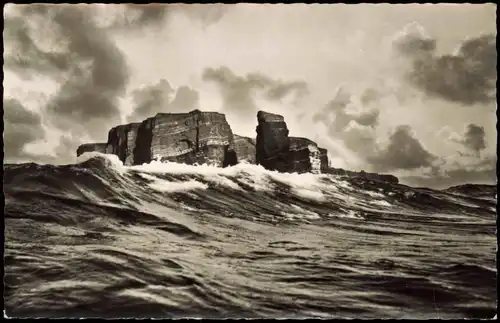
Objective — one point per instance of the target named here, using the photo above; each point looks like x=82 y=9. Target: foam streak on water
x=170 y=240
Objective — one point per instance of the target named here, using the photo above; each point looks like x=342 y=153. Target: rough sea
x=98 y=239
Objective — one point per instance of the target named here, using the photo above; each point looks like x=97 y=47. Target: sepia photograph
x=250 y=161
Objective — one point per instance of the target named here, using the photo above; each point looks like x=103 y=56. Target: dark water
x=98 y=240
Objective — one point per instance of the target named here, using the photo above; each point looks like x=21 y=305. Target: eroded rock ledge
x=206 y=138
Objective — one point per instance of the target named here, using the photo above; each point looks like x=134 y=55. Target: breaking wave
x=98 y=239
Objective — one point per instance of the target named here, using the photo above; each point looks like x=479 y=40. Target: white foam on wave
x=301 y=213
x=310 y=194
x=350 y=214
x=177 y=186
x=249 y=174
x=306 y=185
x=302 y=216
x=111 y=160
x=372 y=194
x=381 y=203
x=162 y=185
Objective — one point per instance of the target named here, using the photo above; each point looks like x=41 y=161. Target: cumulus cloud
x=467 y=76
x=150 y=99
x=207 y=14
x=370 y=95
x=140 y=15
x=186 y=99
x=474 y=138
x=339 y=112
x=21 y=127
x=280 y=89
x=404 y=151
x=130 y=17
x=98 y=77
x=91 y=69
x=29 y=58
x=354 y=118
x=76 y=50
x=348 y=118
x=157 y=98
x=239 y=92
x=360 y=139
x=413 y=41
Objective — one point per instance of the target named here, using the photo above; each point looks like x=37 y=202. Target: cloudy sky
x=402 y=89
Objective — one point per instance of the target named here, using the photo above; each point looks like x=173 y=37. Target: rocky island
x=200 y=137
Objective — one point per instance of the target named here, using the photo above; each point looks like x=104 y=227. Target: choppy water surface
x=97 y=239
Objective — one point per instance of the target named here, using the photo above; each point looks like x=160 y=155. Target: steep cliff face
x=206 y=137
x=324 y=159
x=244 y=148
x=194 y=137
x=276 y=151
x=272 y=144
x=122 y=142
x=99 y=147
x=304 y=156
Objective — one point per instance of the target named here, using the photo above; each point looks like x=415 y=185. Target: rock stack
x=273 y=145
x=122 y=141
x=191 y=138
x=206 y=138
x=304 y=156
x=194 y=137
x=276 y=151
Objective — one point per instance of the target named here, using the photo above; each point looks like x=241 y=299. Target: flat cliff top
x=263 y=116
x=301 y=140
x=190 y=113
x=92 y=144
x=127 y=126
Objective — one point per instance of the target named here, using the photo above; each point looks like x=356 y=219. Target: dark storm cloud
x=404 y=152
x=238 y=92
x=280 y=90
x=474 y=138
x=138 y=16
x=235 y=90
x=467 y=77
x=370 y=95
x=336 y=117
x=356 y=130
x=28 y=57
x=150 y=100
x=147 y=14
x=186 y=99
x=67 y=44
x=21 y=127
x=157 y=98
x=207 y=14
x=99 y=74
x=414 y=44
x=92 y=70
x=369 y=118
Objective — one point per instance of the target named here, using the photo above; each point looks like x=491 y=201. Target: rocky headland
x=200 y=137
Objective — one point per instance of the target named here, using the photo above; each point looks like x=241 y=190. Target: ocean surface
x=97 y=239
